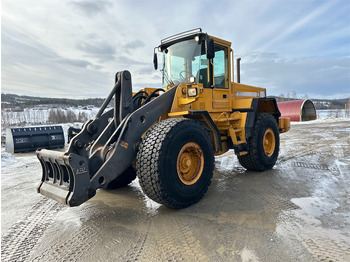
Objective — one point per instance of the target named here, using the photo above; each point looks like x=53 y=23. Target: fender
x=260 y=105
x=203 y=117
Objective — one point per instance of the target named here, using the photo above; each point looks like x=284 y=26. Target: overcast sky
x=72 y=48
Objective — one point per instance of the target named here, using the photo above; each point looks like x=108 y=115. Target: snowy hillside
x=41 y=115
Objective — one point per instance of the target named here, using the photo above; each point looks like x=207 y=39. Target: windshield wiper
x=168 y=79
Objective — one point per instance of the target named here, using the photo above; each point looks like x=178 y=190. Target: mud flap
x=65 y=177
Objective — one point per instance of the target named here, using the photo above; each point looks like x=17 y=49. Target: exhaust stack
x=238 y=70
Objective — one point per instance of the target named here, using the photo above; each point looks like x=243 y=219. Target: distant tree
x=5 y=118
x=338 y=113
x=282 y=97
x=52 y=116
x=16 y=100
x=57 y=116
x=71 y=117
x=61 y=117
x=82 y=117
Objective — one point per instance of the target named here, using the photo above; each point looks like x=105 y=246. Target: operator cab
x=193 y=57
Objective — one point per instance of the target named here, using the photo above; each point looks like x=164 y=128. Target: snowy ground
x=40 y=115
x=333 y=113
x=298 y=211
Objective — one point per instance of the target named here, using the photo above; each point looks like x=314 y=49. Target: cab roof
x=190 y=34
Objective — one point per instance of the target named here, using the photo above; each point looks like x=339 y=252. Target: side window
x=220 y=67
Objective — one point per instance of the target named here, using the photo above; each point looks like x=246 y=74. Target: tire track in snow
x=23 y=236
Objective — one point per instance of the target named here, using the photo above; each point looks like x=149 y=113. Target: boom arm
x=103 y=150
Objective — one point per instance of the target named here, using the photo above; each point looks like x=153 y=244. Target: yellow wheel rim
x=190 y=163
x=269 y=142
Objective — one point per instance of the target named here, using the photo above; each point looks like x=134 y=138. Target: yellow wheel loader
x=168 y=136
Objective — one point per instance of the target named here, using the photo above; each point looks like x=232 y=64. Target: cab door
x=220 y=95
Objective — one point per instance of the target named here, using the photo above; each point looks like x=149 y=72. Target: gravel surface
x=298 y=211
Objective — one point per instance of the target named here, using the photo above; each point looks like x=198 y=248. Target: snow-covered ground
x=333 y=113
x=40 y=115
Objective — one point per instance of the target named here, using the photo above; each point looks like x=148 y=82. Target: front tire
x=175 y=162
x=263 y=145
x=124 y=179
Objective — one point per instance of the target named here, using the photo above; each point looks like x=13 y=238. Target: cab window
x=202 y=74
x=220 y=66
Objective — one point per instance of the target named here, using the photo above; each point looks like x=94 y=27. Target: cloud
x=134 y=44
x=34 y=69
x=77 y=63
x=299 y=23
x=322 y=76
x=91 y=7
x=100 y=49
x=284 y=45
x=146 y=70
x=128 y=61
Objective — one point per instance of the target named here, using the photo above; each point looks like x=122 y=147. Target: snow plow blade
x=65 y=177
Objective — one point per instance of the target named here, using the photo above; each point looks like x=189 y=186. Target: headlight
x=192 y=92
x=192 y=79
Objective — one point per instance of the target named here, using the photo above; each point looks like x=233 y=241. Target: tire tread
x=148 y=158
x=252 y=160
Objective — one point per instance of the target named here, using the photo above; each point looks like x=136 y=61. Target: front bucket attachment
x=65 y=177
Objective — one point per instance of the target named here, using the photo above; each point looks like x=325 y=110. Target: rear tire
x=175 y=162
x=263 y=145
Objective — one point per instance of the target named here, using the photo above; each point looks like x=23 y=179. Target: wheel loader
x=168 y=136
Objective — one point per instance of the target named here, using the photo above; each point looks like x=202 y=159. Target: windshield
x=183 y=60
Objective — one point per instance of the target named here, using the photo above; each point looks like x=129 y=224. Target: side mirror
x=209 y=48
x=155 y=61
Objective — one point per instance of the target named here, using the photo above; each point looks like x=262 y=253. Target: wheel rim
x=190 y=163
x=269 y=142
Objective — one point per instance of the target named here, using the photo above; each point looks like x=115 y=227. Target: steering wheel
x=183 y=78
